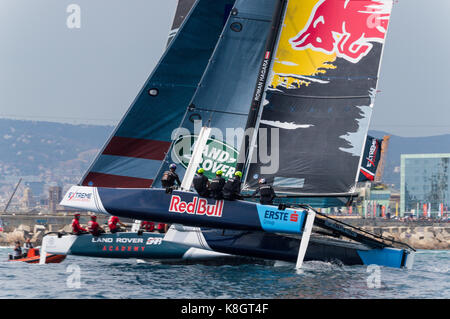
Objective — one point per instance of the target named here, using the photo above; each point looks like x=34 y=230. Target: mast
x=261 y=82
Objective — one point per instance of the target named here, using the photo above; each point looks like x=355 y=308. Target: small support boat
x=33 y=257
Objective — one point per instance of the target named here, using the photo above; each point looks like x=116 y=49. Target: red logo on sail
x=198 y=206
x=345 y=27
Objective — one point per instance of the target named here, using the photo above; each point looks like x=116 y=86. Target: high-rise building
x=28 y=199
x=425 y=184
x=55 y=196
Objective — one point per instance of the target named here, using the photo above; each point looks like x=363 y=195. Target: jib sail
x=319 y=100
x=134 y=152
x=223 y=98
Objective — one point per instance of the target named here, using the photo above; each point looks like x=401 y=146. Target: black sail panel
x=320 y=97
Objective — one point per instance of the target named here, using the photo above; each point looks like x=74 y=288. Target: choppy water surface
x=113 y=278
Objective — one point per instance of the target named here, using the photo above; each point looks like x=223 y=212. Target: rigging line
x=252 y=19
x=322 y=97
x=311 y=195
x=215 y=111
x=57 y=117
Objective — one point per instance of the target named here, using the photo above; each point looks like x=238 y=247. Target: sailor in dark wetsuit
x=17 y=252
x=232 y=188
x=217 y=185
x=27 y=246
x=265 y=191
x=201 y=183
x=170 y=177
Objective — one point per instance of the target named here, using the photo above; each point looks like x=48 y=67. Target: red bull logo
x=198 y=206
x=347 y=28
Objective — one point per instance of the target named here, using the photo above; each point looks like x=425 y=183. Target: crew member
x=17 y=251
x=232 y=188
x=265 y=191
x=217 y=184
x=94 y=228
x=27 y=245
x=147 y=226
x=113 y=227
x=201 y=183
x=76 y=227
x=170 y=177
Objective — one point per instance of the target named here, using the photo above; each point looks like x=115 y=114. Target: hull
x=252 y=229
x=126 y=245
x=185 y=208
x=284 y=248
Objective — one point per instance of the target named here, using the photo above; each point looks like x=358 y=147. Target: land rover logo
x=216 y=156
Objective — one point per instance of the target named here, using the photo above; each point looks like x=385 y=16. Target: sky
x=92 y=74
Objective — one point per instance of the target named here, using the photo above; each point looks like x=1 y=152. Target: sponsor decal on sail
x=372 y=153
x=198 y=206
x=216 y=155
x=325 y=30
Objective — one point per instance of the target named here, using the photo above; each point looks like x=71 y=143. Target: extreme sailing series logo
x=79 y=196
x=372 y=154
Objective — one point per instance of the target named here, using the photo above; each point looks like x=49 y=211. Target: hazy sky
x=92 y=74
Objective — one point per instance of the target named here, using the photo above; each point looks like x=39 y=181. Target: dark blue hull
x=320 y=248
x=127 y=245
x=147 y=246
x=188 y=208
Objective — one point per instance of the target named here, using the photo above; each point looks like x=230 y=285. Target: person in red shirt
x=94 y=228
x=147 y=226
x=76 y=227
x=162 y=228
x=112 y=224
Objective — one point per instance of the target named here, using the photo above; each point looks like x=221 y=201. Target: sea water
x=85 y=277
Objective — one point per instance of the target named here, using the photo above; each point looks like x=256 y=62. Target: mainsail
x=320 y=96
x=134 y=152
x=223 y=98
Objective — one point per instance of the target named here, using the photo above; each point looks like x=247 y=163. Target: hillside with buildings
x=46 y=154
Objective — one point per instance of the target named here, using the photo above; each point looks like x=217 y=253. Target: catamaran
x=280 y=89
